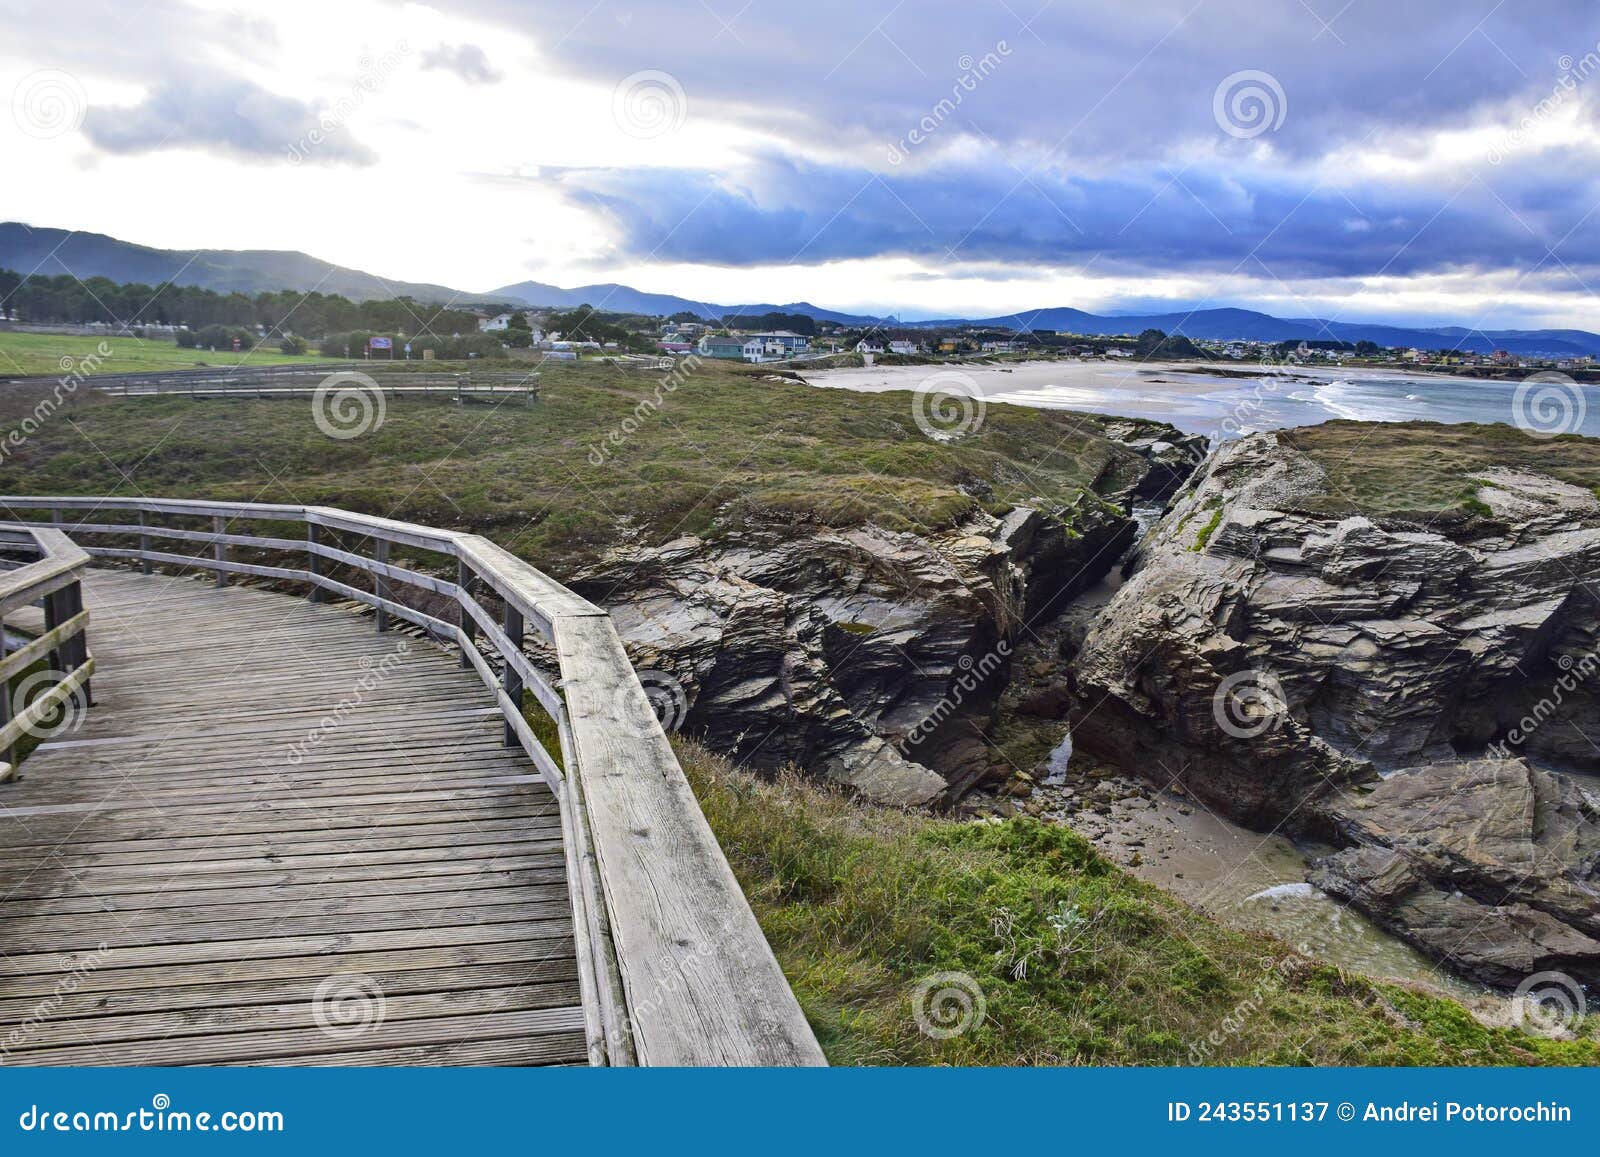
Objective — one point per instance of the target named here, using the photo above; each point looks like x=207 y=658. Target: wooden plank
x=702 y=985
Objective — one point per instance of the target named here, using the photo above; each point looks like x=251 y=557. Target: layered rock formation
x=854 y=652
x=1422 y=698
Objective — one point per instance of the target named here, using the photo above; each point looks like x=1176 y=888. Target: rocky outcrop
x=1280 y=663
x=1490 y=864
x=857 y=653
x=848 y=652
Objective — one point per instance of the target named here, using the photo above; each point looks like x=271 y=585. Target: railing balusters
x=380 y=582
x=219 y=526
x=314 y=562
x=469 y=629
x=512 y=678
x=144 y=546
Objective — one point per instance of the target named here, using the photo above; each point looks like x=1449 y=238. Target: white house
x=904 y=347
x=1118 y=352
x=868 y=347
x=755 y=349
x=493 y=324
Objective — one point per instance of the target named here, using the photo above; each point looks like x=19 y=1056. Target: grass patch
x=605 y=448
x=1417 y=470
x=1203 y=536
x=41 y=353
x=1078 y=962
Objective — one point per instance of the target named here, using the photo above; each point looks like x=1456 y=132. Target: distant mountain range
x=622 y=299
x=1248 y=325
x=54 y=252
x=57 y=251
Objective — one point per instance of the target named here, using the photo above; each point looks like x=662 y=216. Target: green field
x=605 y=454
x=42 y=353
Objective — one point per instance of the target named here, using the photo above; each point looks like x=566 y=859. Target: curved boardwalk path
x=186 y=878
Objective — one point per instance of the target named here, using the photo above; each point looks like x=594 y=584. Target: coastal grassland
x=1419 y=469
x=1078 y=962
x=606 y=454
x=42 y=353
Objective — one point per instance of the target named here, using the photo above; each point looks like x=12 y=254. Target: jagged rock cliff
x=1421 y=698
x=853 y=652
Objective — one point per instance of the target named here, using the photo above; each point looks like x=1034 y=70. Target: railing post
x=144 y=547
x=9 y=755
x=59 y=607
x=511 y=679
x=314 y=561
x=380 y=584
x=219 y=549
x=469 y=628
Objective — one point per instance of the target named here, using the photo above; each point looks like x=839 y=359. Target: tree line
x=99 y=299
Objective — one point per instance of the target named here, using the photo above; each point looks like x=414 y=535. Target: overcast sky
x=1412 y=161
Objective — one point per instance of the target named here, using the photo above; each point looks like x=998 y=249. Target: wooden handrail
x=53 y=582
x=673 y=966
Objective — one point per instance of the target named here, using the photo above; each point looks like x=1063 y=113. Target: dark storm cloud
x=1163 y=219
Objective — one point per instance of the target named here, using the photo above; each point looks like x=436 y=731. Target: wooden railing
x=674 y=968
x=53 y=581
x=305 y=381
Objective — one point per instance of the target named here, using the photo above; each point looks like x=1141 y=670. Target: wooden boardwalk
x=280 y=837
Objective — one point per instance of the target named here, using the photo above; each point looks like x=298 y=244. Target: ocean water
x=1229 y=407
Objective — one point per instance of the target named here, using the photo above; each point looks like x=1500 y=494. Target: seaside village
x=799 y=337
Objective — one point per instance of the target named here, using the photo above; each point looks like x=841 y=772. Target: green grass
x=1420 y=469
x=605 y=454
x=1204 y=535
x=42 y=353
x=1077 y=962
